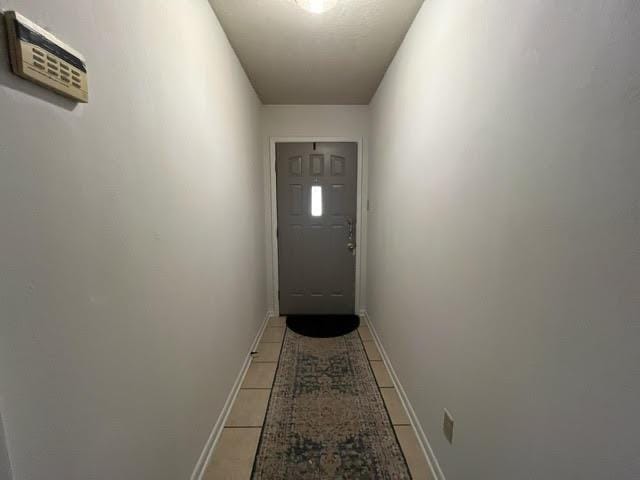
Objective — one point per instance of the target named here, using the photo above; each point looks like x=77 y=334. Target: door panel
x=316 y=266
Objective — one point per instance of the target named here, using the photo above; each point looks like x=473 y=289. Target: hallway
x=353 y=456
x=179 y=180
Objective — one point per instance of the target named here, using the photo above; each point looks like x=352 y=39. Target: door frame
x=360 y=208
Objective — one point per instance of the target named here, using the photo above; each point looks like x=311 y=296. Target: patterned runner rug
x=326 y=418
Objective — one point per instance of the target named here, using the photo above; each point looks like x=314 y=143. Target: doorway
x=317 y=227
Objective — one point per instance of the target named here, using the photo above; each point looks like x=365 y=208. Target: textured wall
x=131 y=253
x=504 y=246
x=5 y=463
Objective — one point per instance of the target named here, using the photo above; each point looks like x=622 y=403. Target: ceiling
x=296 y=57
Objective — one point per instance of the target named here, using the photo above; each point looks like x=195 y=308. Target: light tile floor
x=412 y=452
x=235 y=451
x=260 y=375
x=372 y=350
x=267 y=352
x=234 y=454
x=394 y=406
x=382 y=375
x=249 y=408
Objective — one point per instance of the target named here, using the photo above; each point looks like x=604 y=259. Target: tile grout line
x=395 y=434
x=423 y=441
x=259 y=388
x=237 y=427
x=386 y=388
x=203 y=461
x=266 y=413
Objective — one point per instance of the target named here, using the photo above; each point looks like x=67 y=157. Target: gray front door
x=317 y=198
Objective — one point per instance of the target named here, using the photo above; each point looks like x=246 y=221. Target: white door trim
x=361 y=205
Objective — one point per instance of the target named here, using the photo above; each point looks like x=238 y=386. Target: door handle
x=351 y=246
x=350 y=227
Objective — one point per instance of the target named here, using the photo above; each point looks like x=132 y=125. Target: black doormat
x=323 y=326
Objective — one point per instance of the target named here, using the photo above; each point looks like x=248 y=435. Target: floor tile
x=381 y=374
x=273 y=334
x=259 y=375
x=234 y=454
x=394 y=406
x=277 y=322
x=372 y=350
x=416 y=460
x=267 y=352
x=365 y=334
x=249 y=408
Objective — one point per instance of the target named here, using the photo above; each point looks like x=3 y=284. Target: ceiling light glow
x=317 y=6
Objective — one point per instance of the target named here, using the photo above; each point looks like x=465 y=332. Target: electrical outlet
x=447 y=426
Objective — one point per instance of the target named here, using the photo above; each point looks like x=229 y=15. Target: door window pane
x=316 y=201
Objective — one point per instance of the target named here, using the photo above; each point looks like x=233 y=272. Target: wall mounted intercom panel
x=40 y=57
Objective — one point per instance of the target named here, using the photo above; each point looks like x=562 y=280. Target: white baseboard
x=436 y=471
x=205 y=456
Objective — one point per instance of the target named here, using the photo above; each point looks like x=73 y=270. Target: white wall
x=504 y=233
x=346 y=121
x=5 y=465
x=131 y=254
